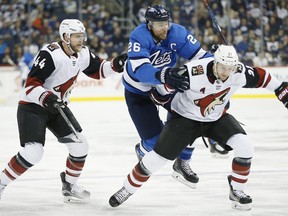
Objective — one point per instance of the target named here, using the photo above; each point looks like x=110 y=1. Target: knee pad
x=153 y=162
x=242 y=146
x=76 y=148
x=32 y=152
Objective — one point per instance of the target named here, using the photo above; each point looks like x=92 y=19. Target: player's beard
x=162 y=36
x=76 y=48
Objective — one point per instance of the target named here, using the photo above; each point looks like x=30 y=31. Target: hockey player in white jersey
x=48 y=85
x=200 y=111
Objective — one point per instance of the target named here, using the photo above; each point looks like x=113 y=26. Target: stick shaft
x=70 y=125
x=215 y=22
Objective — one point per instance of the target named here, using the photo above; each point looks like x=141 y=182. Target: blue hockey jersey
x=147 y=56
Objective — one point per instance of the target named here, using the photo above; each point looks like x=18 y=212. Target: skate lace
x=122 y=195
x=186 y=167
x=239 y=193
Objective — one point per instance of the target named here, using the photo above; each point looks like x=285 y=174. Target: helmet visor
x=80 y=36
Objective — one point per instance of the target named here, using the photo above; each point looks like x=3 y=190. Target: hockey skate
x=119 y=197
x=184 y=174
x=240 y=200
x=72 y=192
x=216 y=150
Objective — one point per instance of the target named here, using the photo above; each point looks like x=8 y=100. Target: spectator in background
x=243 y=45
x=272 y=44
x=26 y=62
x=16 y=18
x=70 y=7
x=222 y=19
x=234 y=20
x=281 y=9
x=3 y=46
x=244 y=25
x=260 y=60
x=6 y=57
x=118 y=38
x=237 y=36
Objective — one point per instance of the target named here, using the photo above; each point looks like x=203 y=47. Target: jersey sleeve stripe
x=137 y=63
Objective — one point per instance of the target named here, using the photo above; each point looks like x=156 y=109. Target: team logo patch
x=208 y=103
x=197 y=70
x=66 y=88
x=159 y=60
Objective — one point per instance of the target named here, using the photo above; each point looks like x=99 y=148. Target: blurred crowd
x=26 y=25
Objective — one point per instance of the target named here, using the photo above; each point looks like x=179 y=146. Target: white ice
x=112 y=138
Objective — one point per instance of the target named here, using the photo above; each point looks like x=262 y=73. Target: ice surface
x=112 y=138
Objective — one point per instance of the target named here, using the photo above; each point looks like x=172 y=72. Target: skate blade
x=221 y=156
x=179 y=178
x=242 y=207
x=71 y=199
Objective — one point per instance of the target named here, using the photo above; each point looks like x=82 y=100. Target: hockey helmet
x=226 y=55
x=157 y=13
x=71 y=26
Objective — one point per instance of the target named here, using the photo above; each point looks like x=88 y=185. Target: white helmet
x=71 y=26
x=226 y=55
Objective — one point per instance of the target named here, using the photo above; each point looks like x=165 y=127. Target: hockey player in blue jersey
x=152 y=52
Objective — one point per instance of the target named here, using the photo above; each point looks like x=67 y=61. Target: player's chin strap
x=69 y=47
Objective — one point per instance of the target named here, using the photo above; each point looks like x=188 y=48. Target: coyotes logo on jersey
x=66 y=88
x=207 y=104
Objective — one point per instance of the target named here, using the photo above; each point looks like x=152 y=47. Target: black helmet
x=157 y=13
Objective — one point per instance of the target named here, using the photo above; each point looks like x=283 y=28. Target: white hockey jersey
x=53 y=70
x=207 y=97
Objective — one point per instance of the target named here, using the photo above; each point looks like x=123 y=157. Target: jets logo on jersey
x=66 y=88
x=208 y=103
x=160 y=60
x=197 y=70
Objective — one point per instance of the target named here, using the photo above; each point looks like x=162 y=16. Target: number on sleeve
x=41 y=63
x=134 y=46
x=191 y=39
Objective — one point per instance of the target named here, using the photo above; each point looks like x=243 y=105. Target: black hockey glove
x=175 y=78
x=50 y=101
x=213 y=48
x=282 y=93
x=117 y=63
x=157 y=98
